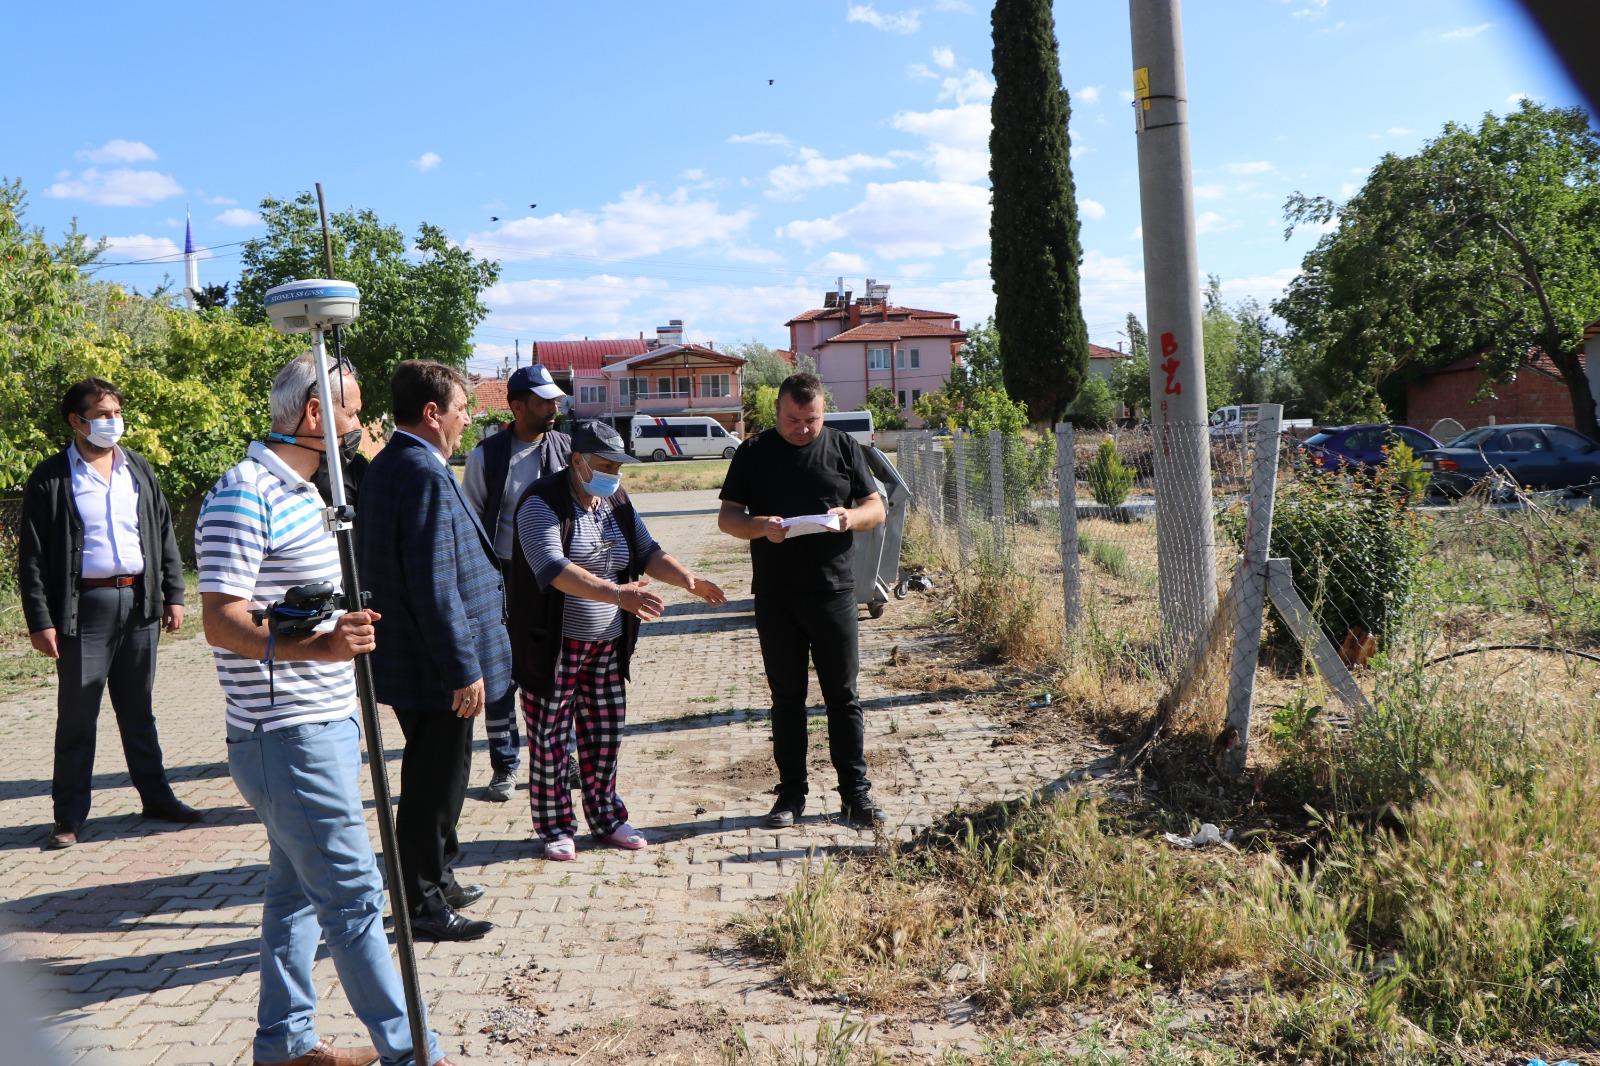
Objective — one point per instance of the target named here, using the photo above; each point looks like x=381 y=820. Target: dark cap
x=535 y=379
x=593 y=437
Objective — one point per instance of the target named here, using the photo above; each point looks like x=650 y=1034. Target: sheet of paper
x=801 y=525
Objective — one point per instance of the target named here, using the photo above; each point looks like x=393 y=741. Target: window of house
x=916 y=394
x=916 y=359
x=683 y=386
x=629 y=390
x=591 y=394
x=902 y=396
x=714 y=385
x=877 y=359
x=663 y=386
x=900 y=358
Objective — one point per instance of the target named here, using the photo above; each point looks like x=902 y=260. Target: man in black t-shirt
x=804 y=586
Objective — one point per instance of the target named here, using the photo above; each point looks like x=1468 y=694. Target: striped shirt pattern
x=260 y=534
x=597 y=545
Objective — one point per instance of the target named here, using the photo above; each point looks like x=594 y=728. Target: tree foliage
x=1485 y=243
x=762 y=365
x=1093 y=407
x=1130 y=378
x=886 y=413
x=1033 y=232
x=420 y=301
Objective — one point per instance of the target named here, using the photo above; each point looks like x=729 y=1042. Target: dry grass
x=678 y=475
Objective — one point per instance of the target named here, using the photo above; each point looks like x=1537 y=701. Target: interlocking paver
x=145 y=935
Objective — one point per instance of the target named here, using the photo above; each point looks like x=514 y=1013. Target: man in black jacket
x=499 y=469
x=98 y=568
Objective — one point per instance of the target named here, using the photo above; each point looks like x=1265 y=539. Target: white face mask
x=105 y=432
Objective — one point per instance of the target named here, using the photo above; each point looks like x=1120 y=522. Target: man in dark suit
x=442 y=653
x=99 y=572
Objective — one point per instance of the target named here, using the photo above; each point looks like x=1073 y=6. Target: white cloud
x=1262 y=287
x=1462 y=33
x=427 y=161
x=640 y=222
x=239 y=216
x=744 y=253
x=117 y=188
x=1079 y=150
x=1313 y=9
x=908 y=271
x=976 y=268
x=957 y=140
x=118 y=151
x=847 y=263
x=693 y=174
x=221 y=201
x=973 y=87
x=899 y=22
x=905 y=220
x=772 y=140
x=144 y=246
x=1092 y=209
x=1212 y=222
x=1258 y=166
x=960 y=6
x=813 y=171
x=1210 y=192
x=557 y=305
x=1088 y=96
x=944 y=58
x=922 y=71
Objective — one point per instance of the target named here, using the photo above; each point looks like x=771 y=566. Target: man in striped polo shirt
x=293 y=741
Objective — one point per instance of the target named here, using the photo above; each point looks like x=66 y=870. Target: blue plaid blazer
x=433 y=576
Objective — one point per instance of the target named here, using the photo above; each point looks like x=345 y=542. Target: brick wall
x=1532 y=397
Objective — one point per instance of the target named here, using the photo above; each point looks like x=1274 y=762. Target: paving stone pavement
x=143 y=938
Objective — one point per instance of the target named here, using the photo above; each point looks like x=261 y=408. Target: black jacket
x=50 y=550
x=556 y=449
x=533 y=615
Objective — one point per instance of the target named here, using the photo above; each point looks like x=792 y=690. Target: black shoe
x=786 y=811
x=501 y=785
x=461 y=897
x=173 y=810
x=61 y=836
x=448 y=925
x=574 y=777
x=862 y=813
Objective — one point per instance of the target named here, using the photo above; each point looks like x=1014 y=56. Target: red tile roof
x=871 y=311
x=489 y=394
x=560 y=356
x=815 y=312
x=785 y=354
x=893 y=331
x=1097 y=351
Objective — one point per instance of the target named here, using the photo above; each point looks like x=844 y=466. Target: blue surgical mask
x=601 y=485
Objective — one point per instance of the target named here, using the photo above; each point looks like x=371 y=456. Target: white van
x=856 y=423
x=690 y=437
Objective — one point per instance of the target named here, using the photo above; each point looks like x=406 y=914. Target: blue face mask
x=601 y=485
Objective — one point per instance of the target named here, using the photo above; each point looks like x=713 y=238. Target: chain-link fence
x=10 y=530
x=995 y=502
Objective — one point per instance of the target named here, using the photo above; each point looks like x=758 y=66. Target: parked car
x=1239 y=420
x=1360 y=447
x=1533 y=455
x=686 y=437
x=856 y=423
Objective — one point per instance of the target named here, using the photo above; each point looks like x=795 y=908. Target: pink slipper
x=561 y=849
x=625 y=837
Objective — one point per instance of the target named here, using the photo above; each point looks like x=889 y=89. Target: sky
x=717 y=162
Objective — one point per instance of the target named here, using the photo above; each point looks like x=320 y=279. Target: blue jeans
x=303 y=782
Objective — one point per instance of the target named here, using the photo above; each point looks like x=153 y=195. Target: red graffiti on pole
x=1169 y=348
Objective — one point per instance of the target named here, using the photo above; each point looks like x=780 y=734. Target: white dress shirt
x=437 y=454
x=110 y=514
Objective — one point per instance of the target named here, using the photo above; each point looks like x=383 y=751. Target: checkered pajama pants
x=588 y=686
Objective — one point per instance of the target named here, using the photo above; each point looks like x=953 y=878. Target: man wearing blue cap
x=499 y=469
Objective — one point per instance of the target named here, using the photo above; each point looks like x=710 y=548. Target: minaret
x=191 y=265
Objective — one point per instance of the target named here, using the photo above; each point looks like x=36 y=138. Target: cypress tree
x=1033 y=229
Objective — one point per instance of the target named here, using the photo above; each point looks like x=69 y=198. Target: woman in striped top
x=576 y=595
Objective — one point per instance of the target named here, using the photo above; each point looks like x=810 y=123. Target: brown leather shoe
x=61 y=837
x=325 y=1054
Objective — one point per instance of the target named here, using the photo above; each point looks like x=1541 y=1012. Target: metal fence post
x=1252 y=591
x=964 y=534
x=997 y=489
x=1067 y=485
x=936 y=451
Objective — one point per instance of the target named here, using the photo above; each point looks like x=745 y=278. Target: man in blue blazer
x=442 y=653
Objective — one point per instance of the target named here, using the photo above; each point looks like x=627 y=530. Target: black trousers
x=433 y=784
x=112 y=650
x=797 y=630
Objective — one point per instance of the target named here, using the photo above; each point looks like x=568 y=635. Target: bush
x=1093 y=406
x=1109 y=480
x=886 y=413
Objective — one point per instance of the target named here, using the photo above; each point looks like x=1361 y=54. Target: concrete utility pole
x=1185 y=537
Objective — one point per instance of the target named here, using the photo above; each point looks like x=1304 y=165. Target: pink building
x=617 y=379
x=864 y=344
